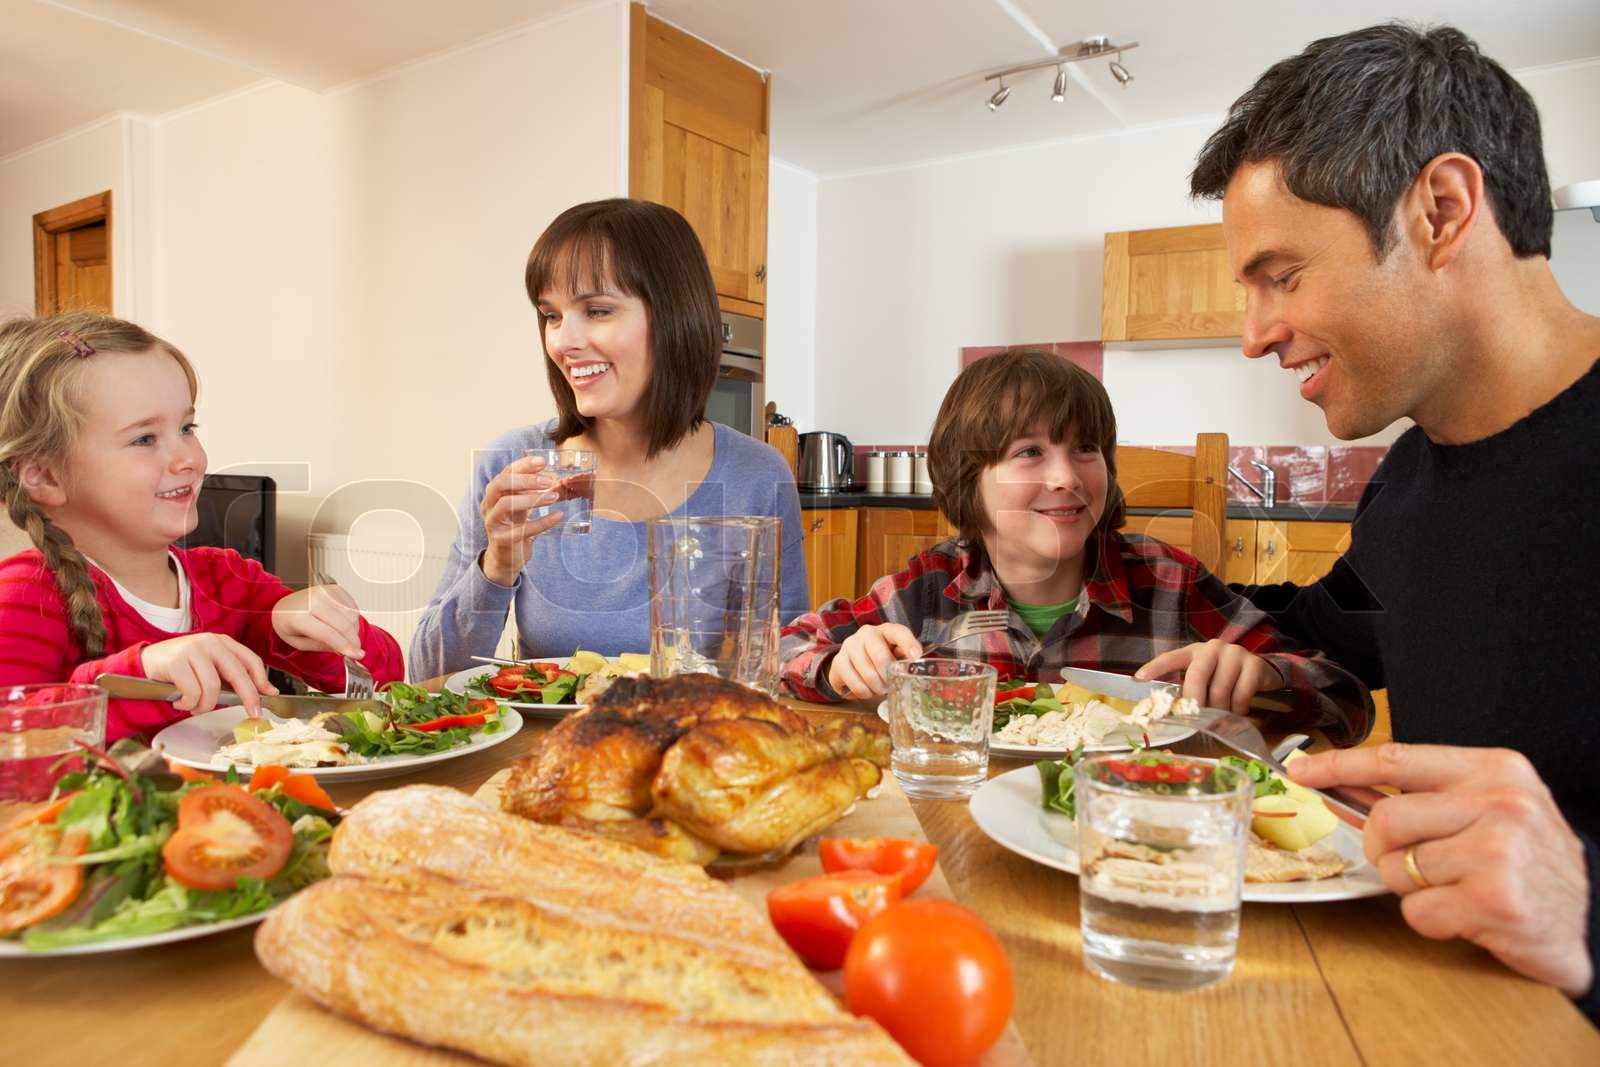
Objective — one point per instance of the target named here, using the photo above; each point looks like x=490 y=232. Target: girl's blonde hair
x=41 y=413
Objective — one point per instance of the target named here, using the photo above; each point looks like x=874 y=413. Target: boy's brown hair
x=648 y=251
x=998 y=399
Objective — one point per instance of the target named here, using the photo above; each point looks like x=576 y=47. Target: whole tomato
x=934 y=975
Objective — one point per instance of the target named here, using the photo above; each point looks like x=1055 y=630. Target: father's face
x=1348 y=327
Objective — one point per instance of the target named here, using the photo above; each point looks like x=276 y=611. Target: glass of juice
x=40 y=727
x=574 y=467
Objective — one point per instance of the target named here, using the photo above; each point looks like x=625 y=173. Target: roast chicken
x=690 y=766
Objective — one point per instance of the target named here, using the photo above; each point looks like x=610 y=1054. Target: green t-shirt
x=1040 y=617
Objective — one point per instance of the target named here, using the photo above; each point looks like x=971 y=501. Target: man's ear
x=1442 y=207
x=41 y=481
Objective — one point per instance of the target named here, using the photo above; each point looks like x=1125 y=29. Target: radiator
x=391 y=585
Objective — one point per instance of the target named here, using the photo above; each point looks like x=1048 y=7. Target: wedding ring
x=1414 y=871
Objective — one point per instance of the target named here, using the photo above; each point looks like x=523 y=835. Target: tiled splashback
x=1306 y=473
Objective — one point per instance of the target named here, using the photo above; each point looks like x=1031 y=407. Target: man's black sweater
x=1471 y=590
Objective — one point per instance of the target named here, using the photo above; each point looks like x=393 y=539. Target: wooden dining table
x=1344 y=983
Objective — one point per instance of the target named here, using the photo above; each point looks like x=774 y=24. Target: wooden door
x=891 y=536
x=1170 y=284
x=1298 y=552
x=1239 y=551
x=830 y=547
x=698 y=131
x=72 y=256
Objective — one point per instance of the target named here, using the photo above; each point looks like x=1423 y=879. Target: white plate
x=1161 y=735
x=193 y=741
x=457 y=683
x=10 y=949
x=1008 y=809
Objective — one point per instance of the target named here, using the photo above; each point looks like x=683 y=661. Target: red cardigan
x=228 y=595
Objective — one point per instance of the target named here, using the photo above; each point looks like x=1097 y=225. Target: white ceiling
x=856 y=83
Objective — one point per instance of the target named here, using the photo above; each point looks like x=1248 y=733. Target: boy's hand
x=201 y=665
x=322 y=618
x=861 y=666
x=1218 y=674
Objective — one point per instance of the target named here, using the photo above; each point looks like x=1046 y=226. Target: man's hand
x=1218 y=674
x=1503 y=869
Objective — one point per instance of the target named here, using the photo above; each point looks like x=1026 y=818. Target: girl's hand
x=320 y=618
x=507 y=500
x=201 y=665
x=1218 y=674
x=860 y=667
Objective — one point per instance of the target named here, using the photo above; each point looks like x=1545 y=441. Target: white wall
x=792 y=291
x=1005 y=248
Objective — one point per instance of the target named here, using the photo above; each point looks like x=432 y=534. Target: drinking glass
x=1161 y=849
x=940 y=715
x=39 y=728
x=575 y=489
x=714 y=589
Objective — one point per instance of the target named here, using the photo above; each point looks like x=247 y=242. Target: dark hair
x=648 y=251
x=998 y=399
x=1353 y=119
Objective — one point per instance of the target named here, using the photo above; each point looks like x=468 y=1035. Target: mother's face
x=600 y=341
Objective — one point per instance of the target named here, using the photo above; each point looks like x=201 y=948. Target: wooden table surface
x=1344 y=983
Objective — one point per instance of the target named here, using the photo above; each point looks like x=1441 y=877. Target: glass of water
x=1161 y=849
x=940 y=714
x=574 y=467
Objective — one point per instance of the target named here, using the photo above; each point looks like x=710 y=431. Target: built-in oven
x=738 y=398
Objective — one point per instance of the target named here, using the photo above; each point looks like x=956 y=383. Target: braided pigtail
x=71 y=569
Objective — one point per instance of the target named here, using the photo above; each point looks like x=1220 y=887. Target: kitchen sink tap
x=1268 y=489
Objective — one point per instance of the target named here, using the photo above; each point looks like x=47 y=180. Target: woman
x=632 y=336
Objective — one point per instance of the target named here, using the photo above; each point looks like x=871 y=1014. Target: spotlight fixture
x=1088 y=48
x=999 y=96
x=1119 y=72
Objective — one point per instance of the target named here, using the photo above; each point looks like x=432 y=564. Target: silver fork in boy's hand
x=970 y=625
x=357 y=679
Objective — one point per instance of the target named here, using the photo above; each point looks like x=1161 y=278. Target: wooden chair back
x=1151 y=478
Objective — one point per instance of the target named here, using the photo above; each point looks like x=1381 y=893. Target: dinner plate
x=193 y=741
x=457 y=683
x=1008 y=809
x=11 y=949
x=1161 y=735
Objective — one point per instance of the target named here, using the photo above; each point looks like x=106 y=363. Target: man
x=1386 y=207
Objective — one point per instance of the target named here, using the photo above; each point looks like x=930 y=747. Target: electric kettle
x=827 y=463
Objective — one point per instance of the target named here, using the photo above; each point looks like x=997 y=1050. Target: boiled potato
x=1307 y=821
x=586 y=662
x=246 y=731
x=1073 y=693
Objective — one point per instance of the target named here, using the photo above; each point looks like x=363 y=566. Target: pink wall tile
x=973 y=353
x=1350 y=468
x=1090 y=355
x=1302 y=471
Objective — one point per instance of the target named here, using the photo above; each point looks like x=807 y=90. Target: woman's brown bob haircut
x=648 y=251
x=1000 y=398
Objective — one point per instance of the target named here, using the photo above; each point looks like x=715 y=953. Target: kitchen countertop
x=1283 y=512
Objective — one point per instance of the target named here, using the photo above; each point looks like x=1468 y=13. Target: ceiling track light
x=1088 y=48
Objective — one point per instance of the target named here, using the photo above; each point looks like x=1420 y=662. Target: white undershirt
x=172 y=620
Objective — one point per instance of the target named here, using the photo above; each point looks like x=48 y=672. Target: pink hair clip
x=79 y=346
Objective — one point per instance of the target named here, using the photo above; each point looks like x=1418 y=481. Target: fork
x=1242 y=735
x=970 y=625
x=357 y=679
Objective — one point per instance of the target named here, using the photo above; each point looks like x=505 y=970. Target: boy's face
x=1041 y=501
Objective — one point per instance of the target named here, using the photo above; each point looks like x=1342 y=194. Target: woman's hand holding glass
x=861 y=666
x=508 y=498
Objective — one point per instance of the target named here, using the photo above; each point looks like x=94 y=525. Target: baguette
x=527 y=944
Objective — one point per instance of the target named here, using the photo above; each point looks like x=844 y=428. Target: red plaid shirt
x=1143 y=598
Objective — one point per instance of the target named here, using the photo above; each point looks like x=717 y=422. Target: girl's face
x=1041 y=501
x=600 y=341
x=133 y=476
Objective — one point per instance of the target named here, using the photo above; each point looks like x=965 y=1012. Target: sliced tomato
x=912 y=860
x=225 y=834
x=43 y=812
x=818 y=916
x=307 y=790
x=31 y=888
x=267 y=777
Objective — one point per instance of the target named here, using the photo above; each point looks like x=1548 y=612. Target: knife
x=128 y=687
x=1115 y=685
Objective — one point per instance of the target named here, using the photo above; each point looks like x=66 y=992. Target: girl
x=101 y=468
x=632 y=341
x=1022 y=459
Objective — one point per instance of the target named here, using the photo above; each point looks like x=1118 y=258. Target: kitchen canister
x=897 y=472
x=919 y=474
x=877 y=471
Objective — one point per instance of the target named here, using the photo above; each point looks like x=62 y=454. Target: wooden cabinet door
x=698 y=132
x=1239 y=551
x=891 y=536
x=1298 y=552
x=830 y=547
x=1171 y=284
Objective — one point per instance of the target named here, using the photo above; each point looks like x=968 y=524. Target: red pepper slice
x=445 y=722
x=1022 y=691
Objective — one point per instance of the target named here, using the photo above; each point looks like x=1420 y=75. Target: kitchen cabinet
x=698 y=128
x=1259 y=551
x=891 y=536
x=830 y=549
x=1174 y=284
